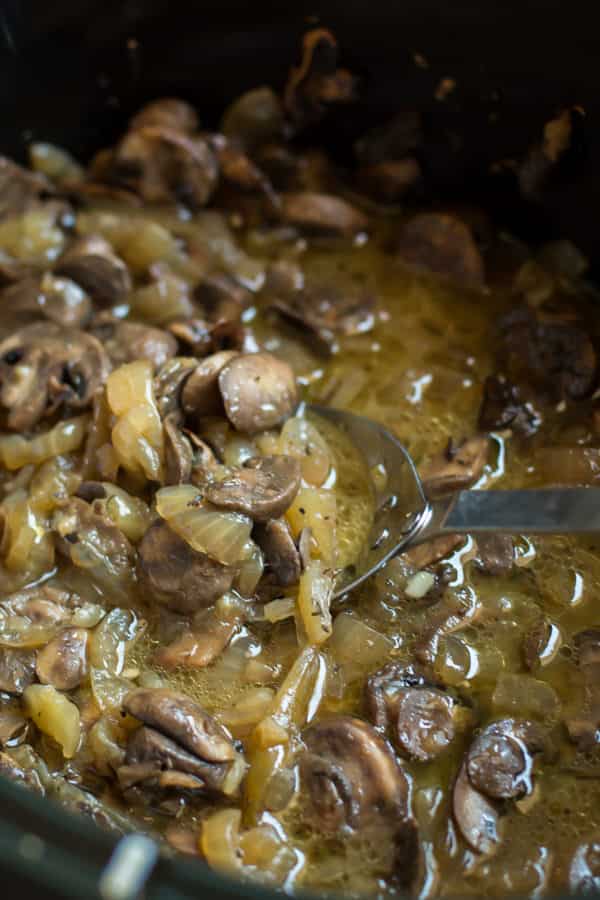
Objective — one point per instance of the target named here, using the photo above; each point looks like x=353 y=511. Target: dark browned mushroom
x=322 y=214
x=258 y=391
x=177 y=575
x=44 y=367
x=499 y=763
x=350 y=775
x=503 y=407
x=93 y=264
x=167 y=112
x=541 y=644
x=282 y=557
x=263 y=488
x=200 y=395
x=17 y=670
x=443 y=244
x=316 y=82
x=63 y=662
x=169 y=381
x=393 y=140
x=552 y=353
x=179 y=455
x=220 y=296
x=429 y=552
x=421 y=719
x=13 y=725
x=179 y=746
x=325 y=311
x=163 y=164
x=495 y=554
x=351 y=782
x=20 y=189
x=457 y=467
x=389 y=181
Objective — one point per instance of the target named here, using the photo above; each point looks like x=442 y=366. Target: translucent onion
x=248 y=711
x=33 y=237
x=129 y=513
x=55 y=715
x=220 y=840
x=165 y=299
x=278 y=610
x=54 y=162
x=222 y=535
x=355 y=646
x=300 y=438
x=314 y=600
x=54 y=481
x=238 y=449
x=523 y=695
x=17 y=451
x=315 y=508
x=129 y=386
x=103 y=743
x=147 y=243
x=111 y=639
x=137 y=436
x=250 y=571
x=109 y=690
x=29 y=547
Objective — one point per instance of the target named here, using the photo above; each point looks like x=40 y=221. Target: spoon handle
x=545 y=511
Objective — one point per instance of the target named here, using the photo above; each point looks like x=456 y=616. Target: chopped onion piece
x=300 y=438
x=17 y=451
x=55 y=715
x=314 y=600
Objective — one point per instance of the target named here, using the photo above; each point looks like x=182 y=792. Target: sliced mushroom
x=421 y=718
x=176 y=574
x=13 y=725
x=499 y=763
x=263 y=488
x=495 y=554
x=584 y=867
x=167 y=112
x=350 y=775
x=198 y=647
x=58 y=299
x=425 y=554
x=503 y=407
x=322 y=214
x=325 y=312
x=17 y=670
x=164 y=165
x=184 y=721
x=20 y=189
x=93 y=264
x=92 y=541
x=222 y=297
x=477 y=818
x=179 y=455
x=316 y=82
x=200 y=395
x=443 y=244
x=541 y=644
x=282 y=556
x=44 y=367
x=152 y=755
x=258 y=391
x=127 y=341
x=457 y=467
x=63 y=662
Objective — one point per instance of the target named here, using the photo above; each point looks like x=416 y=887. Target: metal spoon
x=405 y=517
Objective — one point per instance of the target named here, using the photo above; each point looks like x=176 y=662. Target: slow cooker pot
x=72 y=73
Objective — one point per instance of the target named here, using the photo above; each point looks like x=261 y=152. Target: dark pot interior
x=73 y=71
